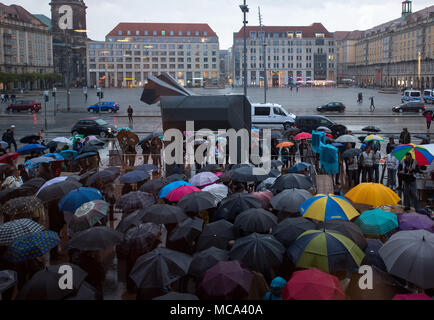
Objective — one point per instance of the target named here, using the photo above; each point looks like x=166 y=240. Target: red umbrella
x=176 y=194
x=264 y=197
x=8 y=156
x=303 y=136
x=414 y=296
x=329 y=135
x=313 y=284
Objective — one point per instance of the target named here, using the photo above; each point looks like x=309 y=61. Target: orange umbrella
x=285 y=145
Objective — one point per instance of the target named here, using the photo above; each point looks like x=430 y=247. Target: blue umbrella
x=299 y=167
x=171 y=186
x=68 y=154
x=134 y=176
x=36 y=161
x=85 y=155
x=28 y=149
x=73 y=200
x=56 y=156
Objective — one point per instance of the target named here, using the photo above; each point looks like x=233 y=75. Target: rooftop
x=19 y=14
x=308 y=31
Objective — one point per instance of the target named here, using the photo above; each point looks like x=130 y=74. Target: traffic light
x=102 y=95
x=53 y=94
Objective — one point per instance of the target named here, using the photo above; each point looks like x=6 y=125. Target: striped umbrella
x=419 y=153
x=325 y=250
x=377 y=222
x=17 y=228
x=327 y=208
x=373 y=137
x=31 y=246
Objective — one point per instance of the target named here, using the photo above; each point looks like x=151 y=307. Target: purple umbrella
x=227 y=280
x=415 y=221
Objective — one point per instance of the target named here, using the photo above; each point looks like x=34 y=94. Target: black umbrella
x=276 y=135
x=105 y=176
x=210 y=168
x=94 y=239
x=259 y=252
x=216 y=234
x=97 y=143
x=30 y=139
x=248 y=174
x=289 y=229
x=351 y=153
x=132 y=220
x=52 y=144
x=151 y=136
x=44 y=285
x=348 y=229
x=86 y=292
x=371 y=129
x=197 y=201
x=372 y=255
x=265 y=185
x=86 y=155
x=289 y=200
x=233 y=205
x=153 y=185
x=176 y=177
x=140 y=240
x=239 y=165
x=187 y=231
x=89 y=149
x=163 y=214
x=135 y=200
x=175 y=296
x=35 y=183
x=276 y=163
x=134 y=176
x=146 y=167
x=291 y=181
x=255 y=221
x=116 y=170
x=362 y=138
x=206 y=259
x=8 y=279
x=58 y=190
x=159 y=268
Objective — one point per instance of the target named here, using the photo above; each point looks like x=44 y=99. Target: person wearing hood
x=275 y=292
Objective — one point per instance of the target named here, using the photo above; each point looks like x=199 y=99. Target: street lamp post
x=245 y=9
x=264 y=58
x=54 y=96
x=46 y=93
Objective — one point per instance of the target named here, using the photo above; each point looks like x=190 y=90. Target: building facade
x=25 y=47
x=69 y=45
x=131 y=51
x=398 y=54
x=294 y=55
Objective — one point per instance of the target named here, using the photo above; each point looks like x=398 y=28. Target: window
x=154 y=33
x=205 y=33
x=120 y=32
x=128 y=32
x=179 y=33
x=262 y=111
x=197 y=33
x=172 y=33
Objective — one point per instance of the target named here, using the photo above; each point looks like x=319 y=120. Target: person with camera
x=408 y=169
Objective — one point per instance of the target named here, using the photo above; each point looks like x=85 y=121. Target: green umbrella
x=377 y=222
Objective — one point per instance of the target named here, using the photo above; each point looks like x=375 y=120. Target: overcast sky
x=225 y=17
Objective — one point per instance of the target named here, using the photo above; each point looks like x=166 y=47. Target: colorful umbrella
x=303 y=136
x=14 y=229
x=9 y=157
x=326 y=250
x=164 y=192
x=28 y=149
x=31 y=246
x=88 y=215
x=415 y=221
x=373 y=137
x=56 y=156
x=73 y=200
x=419 y=153
x=377 y=222
x=373 y=194
x=313 y=284
x=176 y=194
x=285 y=145
x=326 y=208
x=26 y=207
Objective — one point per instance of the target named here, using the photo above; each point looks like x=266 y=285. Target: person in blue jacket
x=275 y=292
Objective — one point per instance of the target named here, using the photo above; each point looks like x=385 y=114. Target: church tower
x=68 y=18
x=406 y=8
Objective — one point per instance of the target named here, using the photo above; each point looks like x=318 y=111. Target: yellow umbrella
x=373 y=194
x=327 y=208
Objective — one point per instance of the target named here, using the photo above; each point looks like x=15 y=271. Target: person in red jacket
x=428 y=117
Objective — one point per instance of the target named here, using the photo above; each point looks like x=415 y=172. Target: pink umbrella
x=303 y=136
x=414 y=296
x=176 y=194
x=218 y=174
x=264 y=197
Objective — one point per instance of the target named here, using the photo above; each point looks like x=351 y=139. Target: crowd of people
x=131 y=204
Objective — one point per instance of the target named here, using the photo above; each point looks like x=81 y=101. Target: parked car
x=411 y=95
x=93 y=127
x=24 y=105
x=271 y=115
x=103 y=106
x=332 y=106
x=409 y=107
x=310 y=123
x=428 y=96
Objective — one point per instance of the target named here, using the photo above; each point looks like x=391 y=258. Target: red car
x=24 y=105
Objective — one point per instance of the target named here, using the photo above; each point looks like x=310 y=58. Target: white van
x=428 y=96
x=271 y=115
x=411 y=95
